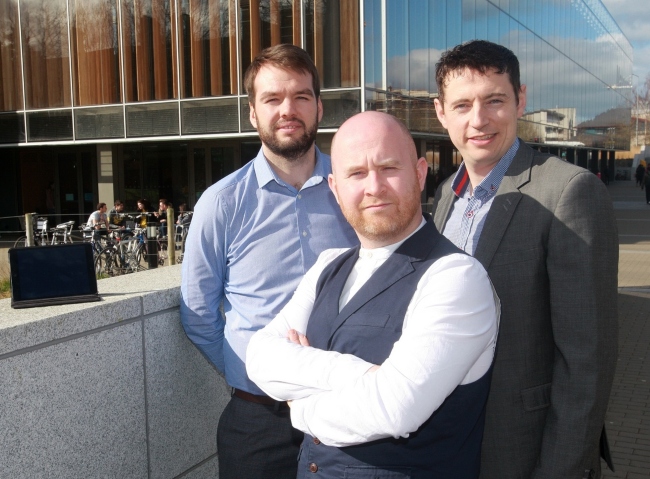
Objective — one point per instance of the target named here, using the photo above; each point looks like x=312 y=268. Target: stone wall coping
x=124 y=298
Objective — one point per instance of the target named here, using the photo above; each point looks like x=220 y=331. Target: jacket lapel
x=504 y=204
x=445 y=202
x=398 y=265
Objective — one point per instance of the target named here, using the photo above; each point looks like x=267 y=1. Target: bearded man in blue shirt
x=254 y=235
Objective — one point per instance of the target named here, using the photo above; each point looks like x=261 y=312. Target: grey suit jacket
x=550 y=246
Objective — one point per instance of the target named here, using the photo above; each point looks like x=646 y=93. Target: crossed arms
x=448 y=339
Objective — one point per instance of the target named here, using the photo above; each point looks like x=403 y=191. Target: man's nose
x=288 y=108
x=479 y=117
x=374 y=183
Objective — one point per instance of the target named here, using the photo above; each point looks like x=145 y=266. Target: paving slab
x=628 y=414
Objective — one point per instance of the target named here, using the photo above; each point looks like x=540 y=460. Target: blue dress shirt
x=251 y=240
x=470 y=209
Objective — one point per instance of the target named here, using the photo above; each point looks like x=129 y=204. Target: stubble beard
x=292 y=149
x=386 y=227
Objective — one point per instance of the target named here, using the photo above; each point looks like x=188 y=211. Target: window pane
x=147 y=27
x=102 y=122
x=264 y=23
x=209 y=116
x=95 y=48
x=373 y=43
x=49 y=125
x=45 y=49
x=11 y=97
x=332 y=31
x=207 y=53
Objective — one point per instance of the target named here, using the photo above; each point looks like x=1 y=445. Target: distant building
x=143 y=98
x=552 y=126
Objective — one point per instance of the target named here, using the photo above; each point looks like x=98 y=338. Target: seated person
x=98 y=222
x=116 y=216
x=144 y=208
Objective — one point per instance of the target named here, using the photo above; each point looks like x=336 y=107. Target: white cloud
x=633 y=19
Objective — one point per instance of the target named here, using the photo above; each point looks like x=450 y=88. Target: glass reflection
x=207 y=41
x=11 y=98
x=573 y=57
x=94 y=45
x=45 y=53
x=147 y=44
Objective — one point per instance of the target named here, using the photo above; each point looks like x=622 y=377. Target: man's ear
x=252 y=117
x=332 y=184
x=319 y=105
x=440 y=111
x=422 y=168
x=521 y=107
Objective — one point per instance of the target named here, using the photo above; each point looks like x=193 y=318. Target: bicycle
x=122 y=254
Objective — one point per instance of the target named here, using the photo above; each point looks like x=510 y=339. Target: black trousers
x=257 y=441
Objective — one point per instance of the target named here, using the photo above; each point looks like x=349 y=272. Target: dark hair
x=286 y=57
x=163 y=201
x=117 y=203
x=100 y=205
x=481 y=56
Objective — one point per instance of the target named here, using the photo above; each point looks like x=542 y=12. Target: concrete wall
x=111 y=389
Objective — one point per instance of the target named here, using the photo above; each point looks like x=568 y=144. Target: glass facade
x=152 y=89
x=575 y=61
x=84 y=70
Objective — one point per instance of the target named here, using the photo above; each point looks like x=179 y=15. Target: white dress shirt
x=448 y=338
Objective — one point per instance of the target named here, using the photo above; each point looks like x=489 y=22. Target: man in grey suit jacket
x=545 y=232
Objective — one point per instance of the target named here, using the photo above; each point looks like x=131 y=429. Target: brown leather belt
x=267 y=401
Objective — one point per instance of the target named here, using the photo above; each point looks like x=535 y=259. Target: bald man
x=385 y=350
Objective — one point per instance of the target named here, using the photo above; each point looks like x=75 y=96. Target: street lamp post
x=636 y=114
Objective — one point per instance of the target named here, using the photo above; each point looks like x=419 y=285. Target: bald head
x=377 y=178
x=372 y=127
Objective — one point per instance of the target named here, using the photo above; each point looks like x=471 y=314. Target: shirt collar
x=265 y=173
x=491 y=182
x=384 y=252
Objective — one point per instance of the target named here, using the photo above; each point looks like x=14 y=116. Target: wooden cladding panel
x=196 y=47
x=214 y=19
x=295 y=20
x=127 y=32
x=45 y=53
x=10 y=78
x=95 y=63
x=143 y=52
x=256 y=28
x=349 y=21
x=318 y=36
x=274 y=7
x=159 y=42
x=232 y=6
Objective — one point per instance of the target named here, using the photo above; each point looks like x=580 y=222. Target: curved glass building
x=132 y=99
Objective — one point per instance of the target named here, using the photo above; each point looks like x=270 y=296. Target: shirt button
x=313 y=467
x=304 y=233
x=316 y=441
x=299 y=197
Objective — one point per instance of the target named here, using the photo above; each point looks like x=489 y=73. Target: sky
x=633 y=17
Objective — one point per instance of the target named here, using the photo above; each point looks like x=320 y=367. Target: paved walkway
x=628 y=414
